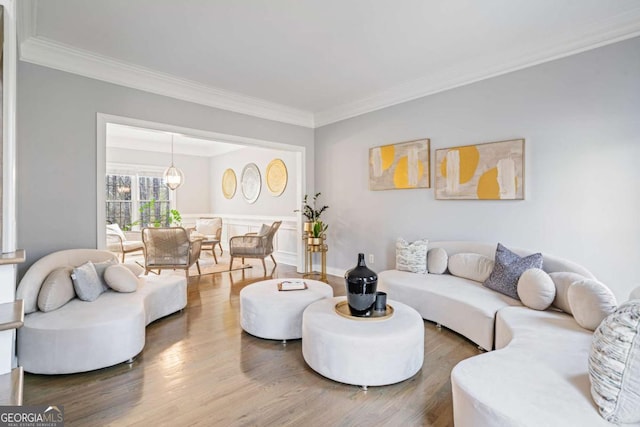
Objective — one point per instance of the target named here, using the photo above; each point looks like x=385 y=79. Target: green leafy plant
x=309 y=210
x=149 y=209
x=319 y=228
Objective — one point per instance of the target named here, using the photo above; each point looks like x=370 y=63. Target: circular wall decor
x=276 y=177
x=229 y=183
x=251 y=182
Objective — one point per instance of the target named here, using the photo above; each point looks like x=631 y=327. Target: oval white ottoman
x=269 y=313
x=363 y=352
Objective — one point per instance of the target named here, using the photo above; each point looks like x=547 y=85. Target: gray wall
x=192 y=197
x=580 y=117
x=56 y=153
x=266 y=204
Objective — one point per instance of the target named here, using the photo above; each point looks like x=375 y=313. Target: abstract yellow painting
x=490 y=171
x=399 y=166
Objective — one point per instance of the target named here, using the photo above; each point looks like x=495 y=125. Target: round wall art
x=229 y=183
x=251 y=182
x=276 y=177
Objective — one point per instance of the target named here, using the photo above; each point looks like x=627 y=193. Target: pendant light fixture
x=173 y=176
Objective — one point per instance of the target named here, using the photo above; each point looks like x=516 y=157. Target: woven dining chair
x=170 y=248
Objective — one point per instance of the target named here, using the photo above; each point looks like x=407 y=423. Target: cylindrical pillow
x=614 y=365
x=470 y=266
x=536 y=289
x=591 y=301
x=563 y=281
x=635 y=294
x=135 y=268
x=437 y=261
x=120 y=278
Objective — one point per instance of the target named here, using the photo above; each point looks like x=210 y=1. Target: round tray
x=342 y=308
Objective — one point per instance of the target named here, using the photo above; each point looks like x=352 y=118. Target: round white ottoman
x=269 y=313
x=363 y=352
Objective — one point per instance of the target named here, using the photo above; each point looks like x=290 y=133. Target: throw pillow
x=591 y=301
x=437 y=261
x=507 y=270
x=101 y=267
x=470 y=266
x=86 y=282
x=121 y=279
x=206 y=226
x=56 y=290
x=264 y=230
x=614 y=365
x=536 y=289
x=411 y=256
x=134 y=268
x=562 y=281
x=115 y=229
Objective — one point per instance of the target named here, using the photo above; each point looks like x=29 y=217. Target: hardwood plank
x=199 y=368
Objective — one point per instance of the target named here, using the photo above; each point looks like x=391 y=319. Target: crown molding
x=48 y=53
x=622 y=27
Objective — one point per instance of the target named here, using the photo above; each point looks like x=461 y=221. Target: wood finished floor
x=199 y=368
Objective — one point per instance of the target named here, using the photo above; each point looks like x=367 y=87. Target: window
x=137 y=197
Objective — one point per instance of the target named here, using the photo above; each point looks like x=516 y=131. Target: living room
x=330 y=86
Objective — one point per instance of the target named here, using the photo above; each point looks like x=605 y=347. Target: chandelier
x=173 y=177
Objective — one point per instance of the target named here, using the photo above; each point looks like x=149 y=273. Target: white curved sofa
x=538 y=375
x=82 y=336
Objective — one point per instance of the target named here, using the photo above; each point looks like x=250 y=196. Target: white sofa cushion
x=120 y=278
x=536 y=289
x=508 y=268
x=57 y=289
x=86 y=282
x=437 y=260
x=591 y=301
x=411 y=256
x=460 y=304
x=471 y=266
x=614 y=365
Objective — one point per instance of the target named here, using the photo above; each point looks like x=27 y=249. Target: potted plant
x=310 y=212
x=317 y=231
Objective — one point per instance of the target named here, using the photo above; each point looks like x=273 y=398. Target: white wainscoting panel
x=285 y=242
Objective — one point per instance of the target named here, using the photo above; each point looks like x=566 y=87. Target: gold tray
x=289 y=290
x=342 y=308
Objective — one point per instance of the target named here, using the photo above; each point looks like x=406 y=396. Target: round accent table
x=364 y=352
x=269 y=313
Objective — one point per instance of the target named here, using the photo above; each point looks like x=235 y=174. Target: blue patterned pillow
x=508 y=269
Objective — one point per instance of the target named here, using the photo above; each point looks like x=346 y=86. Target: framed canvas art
x=489 y=171
x=399 y=166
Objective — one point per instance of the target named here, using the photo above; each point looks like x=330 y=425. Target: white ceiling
x=312 y=62
x=134 y=138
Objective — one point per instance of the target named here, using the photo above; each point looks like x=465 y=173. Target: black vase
x=361 y=289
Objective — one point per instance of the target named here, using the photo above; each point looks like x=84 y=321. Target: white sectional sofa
x=538 y=374
x=82 y=336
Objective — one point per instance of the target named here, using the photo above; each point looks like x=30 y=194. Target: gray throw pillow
x=507 y=270
x=101 y=267
x=56 y=290
x=86 y=282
